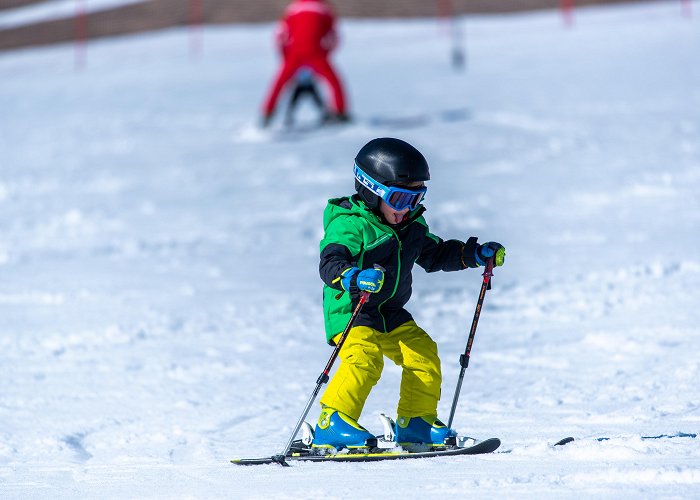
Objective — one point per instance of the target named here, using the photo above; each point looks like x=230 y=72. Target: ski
x=567 y=440
x=659 y=436
x=303 y=455
x=601 y=439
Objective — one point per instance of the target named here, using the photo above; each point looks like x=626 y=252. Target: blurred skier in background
x=306 y=36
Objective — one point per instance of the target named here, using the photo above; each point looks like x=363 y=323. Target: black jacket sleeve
x=335 y=259
x=450 y=255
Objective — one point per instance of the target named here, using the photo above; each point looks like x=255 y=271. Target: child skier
x=383 y=225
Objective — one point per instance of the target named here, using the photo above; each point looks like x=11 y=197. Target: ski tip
x=487 y=446
x=564 y=441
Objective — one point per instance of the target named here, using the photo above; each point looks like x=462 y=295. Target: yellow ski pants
x=362 y=361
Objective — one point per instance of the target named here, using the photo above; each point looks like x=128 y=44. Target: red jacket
x=307 y=29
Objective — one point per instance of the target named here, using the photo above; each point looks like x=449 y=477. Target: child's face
x=392 y=216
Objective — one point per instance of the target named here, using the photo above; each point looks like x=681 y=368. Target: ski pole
x=464 y=358
x=323 y=378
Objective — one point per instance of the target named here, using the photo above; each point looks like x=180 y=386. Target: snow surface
x=159 y=297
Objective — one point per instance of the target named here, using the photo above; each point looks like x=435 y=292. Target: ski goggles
x=396 y=197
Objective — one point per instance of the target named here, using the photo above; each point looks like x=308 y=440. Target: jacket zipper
x=396 y=285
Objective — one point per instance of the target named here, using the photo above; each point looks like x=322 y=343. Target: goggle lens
x=398 y=200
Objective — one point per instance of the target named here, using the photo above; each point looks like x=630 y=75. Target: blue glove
x=488 y=250
x=369 y=280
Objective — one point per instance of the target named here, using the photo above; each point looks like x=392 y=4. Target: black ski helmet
x=389 y=161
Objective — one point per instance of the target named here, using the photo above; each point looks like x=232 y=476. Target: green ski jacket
x=355 y=236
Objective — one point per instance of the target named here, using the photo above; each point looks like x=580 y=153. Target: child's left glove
x=488 y=250
x=368 y=280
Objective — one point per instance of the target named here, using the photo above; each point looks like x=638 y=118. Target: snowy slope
x=159 y=295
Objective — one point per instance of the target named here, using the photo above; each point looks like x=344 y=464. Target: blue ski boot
x=338 y=430
x=427 y=430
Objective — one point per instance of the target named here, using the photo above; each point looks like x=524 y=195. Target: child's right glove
x=491 y=249
x=368 y=280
